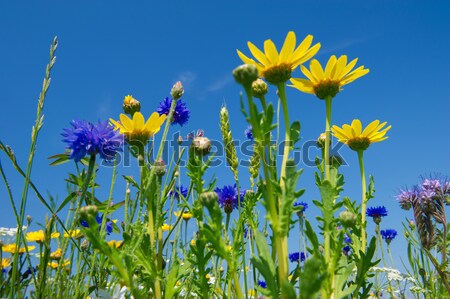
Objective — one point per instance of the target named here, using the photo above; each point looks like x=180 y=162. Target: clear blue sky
x=109 y=49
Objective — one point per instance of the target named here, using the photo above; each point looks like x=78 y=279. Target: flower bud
x=56 y=255
x=87 y=211
x=259 y=88
x=245 y=74
x=180 y=140
x=208 y=199
x=321 y=140
x=29 y=219
x=84 y=245
x=177 y=90
x=336 y=161
x=131 y=105
x=160 y=168
x=201 y=145
x=347 y=218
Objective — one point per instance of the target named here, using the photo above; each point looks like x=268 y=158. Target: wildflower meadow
x=149 y=207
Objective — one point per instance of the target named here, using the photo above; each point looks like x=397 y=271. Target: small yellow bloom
x=137 y=129
x=76 y=234
x=358 y=139
x=277 y=67
x=193 y=242
x=5 y=263
x=166 y=227
x=252 y=293
x=186 y=215
x=327 y=83
x=39 y=237
x=115 y=243
x=56 y=255
x=11 y=248
x=55 y=265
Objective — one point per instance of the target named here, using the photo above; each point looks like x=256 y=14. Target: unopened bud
x=131 y=105
x=84 y=245
x=208 y=199
x=88 y=211
x=160 y=168
x=29 y=219
x=180 y=140
x=245 y=74
x=177 y=90
x=321 y=140
x=347 y=218
x=259 y=88
x=201 y=145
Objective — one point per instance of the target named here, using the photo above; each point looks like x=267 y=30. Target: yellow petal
x=126 y=122
x=271 y=51
x=303 y=85
x=359 y=72
x=247 y=60
x=302 y=48
x=117 y=125
x=308 y=74
x=138 y=121
x=258 y=54
x=288 y=47
x=316 y=70
x=349 y=67
x=370 y=128
x=330 y=66
x=340 y=66
x=307 y=55
x=357 y=127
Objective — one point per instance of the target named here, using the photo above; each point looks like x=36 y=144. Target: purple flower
x=297 y=257
x=301 y=204
x=388 y=235
x=228 y=197
x=379 y=211
x=86 y=138
x=180 y=114
x=99 y=219
x=431 y=184
x=175 y=193
x=249 y=133
x=406 y=198
x=262 y=284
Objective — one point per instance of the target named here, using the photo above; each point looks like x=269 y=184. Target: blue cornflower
x=180 y=114
x=297 y=257
x=99 y=219
x=376 y=213
x=86 y=138
x=388 y=235
x=346 y=250
x=262 y=284
x=304 y=205
x=249 y=133
x=347 y=239
x=228 y=197
x=177 y=191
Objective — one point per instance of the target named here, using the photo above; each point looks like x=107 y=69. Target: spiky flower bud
x=177 y=90
x=87 y=211
x=160 y=168
x=245 y=74
x=201 y=145
x=131 y=105
x=259 y=88
x=208 y=199
x=347 y=218
x=255 y=163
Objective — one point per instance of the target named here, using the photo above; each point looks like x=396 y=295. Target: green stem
x=287 y=125
x=380 y=241
x=328 y=102
x=363 y=201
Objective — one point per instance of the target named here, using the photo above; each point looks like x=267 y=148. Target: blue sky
x=110 y=49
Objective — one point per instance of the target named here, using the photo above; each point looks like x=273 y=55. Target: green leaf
x=265 y=264
x=68 y=199
x=295 y=132
x=59 y=159
x=312 y=278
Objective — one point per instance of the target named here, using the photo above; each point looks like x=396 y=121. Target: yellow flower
x=76 y=234
x=55 y=265
x=166 y=227
x=186 y=215
x=328 y=82
x=115 y=243
x=56 y=255
x=11 y=248
x=39 y=237
x=252 y=293
x=277 y=67
x=5 y=263
x=358 y=139
x=137 y=129
x=193 y=242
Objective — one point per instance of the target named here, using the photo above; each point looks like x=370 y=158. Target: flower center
x=278 y=73
x=325 y=89
x=359 y=143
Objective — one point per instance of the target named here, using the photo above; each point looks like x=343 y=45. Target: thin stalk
x=328 y=102
x=363 y=201
x=287 y=125
x=380 y=240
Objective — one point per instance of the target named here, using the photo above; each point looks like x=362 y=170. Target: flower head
x=277 y=67
x=177 y=191
x=76 y=234
x=297 y=257
x=165 y=227
x=303 y=206
x=358 y=139
x=180 y=114
x=186 y=215
x=39 y=237
x=137 y=130
x=115 y=243
x=327 y=83
x=229 y=198
x=376 y=213
x=249 y=133
x=262 y=284
x=86 y=138
x=11 y=248
x=55 y=265
x=5 y=263
x=131 y=105
x=406 y=198
x=388 y=235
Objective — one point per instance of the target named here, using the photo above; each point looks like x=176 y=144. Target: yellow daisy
x=328 y=82
x=76 y=234
x=115 y=243
x=358 y=139
x=39 y=236
x=186 y=215
x=57 y=254
x=166 y=227
x=5 y=263
x=277 y=67
x=137 y=129
x=55 y=265
x=11 y=248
